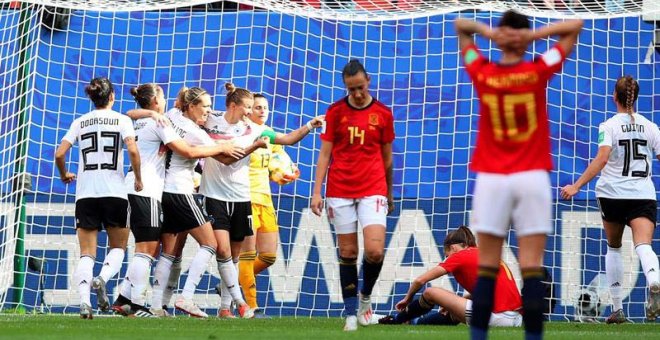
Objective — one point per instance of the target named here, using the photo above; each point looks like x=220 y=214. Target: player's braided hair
x=99 y=91
x=144 y=94
x=627 y=91
x=463 y=236
x=236 y=94
x=188 y=97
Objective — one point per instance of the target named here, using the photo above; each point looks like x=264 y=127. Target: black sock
x=437 y=319
x=348 y=278
x=415 y=309
x=482 y=302
x=533 y=293
x=370 y=272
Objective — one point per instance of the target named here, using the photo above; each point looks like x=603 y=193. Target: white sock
x=197 y=268
x=125 y=285
x=649 y=261
x=614 y=273
x=112 y=264
x=83 y=278
x=138 y=272
x=161 y=274
x=172 y=281
x=225 y=297
x=229 y=276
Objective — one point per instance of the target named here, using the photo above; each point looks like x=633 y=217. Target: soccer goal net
x=292 y=52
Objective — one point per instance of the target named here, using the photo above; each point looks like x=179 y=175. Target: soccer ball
x=282 y=170
x=588 y=305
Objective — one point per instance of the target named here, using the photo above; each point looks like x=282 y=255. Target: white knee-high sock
x=649 y=261
x=197 y=268
x=229 y=276
x=161 y=275
x=83 y=278
x=138 y=276
x=172 y=281
x=112 y=263
x=125 y=285
x=614 y=273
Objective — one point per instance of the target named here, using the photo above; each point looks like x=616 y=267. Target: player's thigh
x=373 y=237
x=448 y=300
x=203 y=234
x=613 y=212
x=342 y=214
x=531 y=250
x=267 y=242
x=87 y=239
x=492 y=204
x=117 y=237
x=222 y=240
x=642 y=220
x=249 y=243
x=533 y=208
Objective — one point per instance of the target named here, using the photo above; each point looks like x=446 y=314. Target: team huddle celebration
x=184 y=178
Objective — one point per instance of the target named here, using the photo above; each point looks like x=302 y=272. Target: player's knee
x=348 y=253
x=223 y=251
x=374 y=255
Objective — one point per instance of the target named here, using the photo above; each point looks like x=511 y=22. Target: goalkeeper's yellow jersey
x=259 y=176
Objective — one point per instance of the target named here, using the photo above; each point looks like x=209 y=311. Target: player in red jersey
x=358 y=138
x=462 y=261
x=512 y=156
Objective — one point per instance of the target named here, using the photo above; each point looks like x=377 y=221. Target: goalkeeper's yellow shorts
x=264 y=219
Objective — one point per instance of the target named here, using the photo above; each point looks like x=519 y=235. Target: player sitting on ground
x=462 y=261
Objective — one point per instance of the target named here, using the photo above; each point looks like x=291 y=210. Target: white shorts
x=345 y=213
x=503 y=319
x=521 y=199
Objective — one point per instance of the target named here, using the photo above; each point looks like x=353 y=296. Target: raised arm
x=567 y=31
x=294 y=136
x=134 y=157
x=321 y=171
x=466 y=28
x=418 y=283
x=593 y=169
x=60 y=162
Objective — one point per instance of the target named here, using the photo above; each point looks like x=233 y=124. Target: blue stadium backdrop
x=296 y=65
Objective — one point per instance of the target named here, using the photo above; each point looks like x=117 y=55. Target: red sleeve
x=388 y=131
x=330 y=125
x=551 y=61
x=472 y=58
x=453 y=262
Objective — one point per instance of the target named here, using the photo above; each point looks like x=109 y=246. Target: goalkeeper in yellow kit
x=259 y=251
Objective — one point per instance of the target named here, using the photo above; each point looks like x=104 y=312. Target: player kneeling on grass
x=462 y=261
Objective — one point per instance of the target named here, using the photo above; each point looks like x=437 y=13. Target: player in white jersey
x=625 y=192
x=101 y=200
x=145 y=211
x=226 y=187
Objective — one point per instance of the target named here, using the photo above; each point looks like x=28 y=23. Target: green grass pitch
x=71 y=327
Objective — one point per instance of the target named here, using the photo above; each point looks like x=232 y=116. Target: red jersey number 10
x=505 y=124
x=356 y=133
